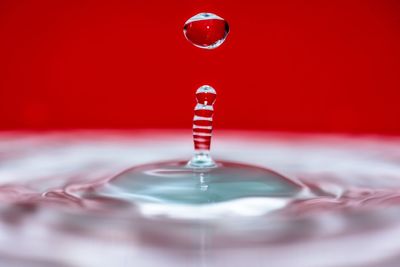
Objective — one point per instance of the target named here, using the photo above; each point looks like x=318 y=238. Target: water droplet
x=206 y=30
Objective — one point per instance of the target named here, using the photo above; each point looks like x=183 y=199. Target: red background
x=325 y=66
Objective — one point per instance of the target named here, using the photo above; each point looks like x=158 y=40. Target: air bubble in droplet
x=206 y=30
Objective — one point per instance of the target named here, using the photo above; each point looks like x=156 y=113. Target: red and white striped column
x=202 y=127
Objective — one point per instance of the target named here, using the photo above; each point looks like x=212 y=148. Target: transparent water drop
x=206 y=30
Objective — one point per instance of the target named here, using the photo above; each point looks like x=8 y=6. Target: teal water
x=175 y=183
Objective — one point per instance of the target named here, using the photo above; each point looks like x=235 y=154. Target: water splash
x=202 y=128
x=169 y=187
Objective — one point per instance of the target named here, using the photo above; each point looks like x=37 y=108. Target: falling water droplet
x=206 y=30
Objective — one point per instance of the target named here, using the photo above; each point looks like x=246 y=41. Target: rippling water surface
x=61 y=204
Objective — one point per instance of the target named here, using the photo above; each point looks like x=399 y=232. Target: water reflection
x=351 y=220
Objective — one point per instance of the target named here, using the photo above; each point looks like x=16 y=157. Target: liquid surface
x=170 y=187
x=68 y=199
x=206 y=30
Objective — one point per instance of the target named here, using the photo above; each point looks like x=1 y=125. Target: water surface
x=346 y=212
